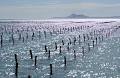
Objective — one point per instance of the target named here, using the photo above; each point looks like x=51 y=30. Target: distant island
x=82 y=16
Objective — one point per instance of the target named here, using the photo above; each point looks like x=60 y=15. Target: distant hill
x=84 y=16
x=77 y=16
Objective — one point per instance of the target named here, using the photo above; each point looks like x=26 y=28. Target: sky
x=43 y=9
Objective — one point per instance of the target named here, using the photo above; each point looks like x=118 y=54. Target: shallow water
x=102 y=61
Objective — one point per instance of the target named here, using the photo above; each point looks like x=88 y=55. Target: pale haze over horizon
x=42 y=9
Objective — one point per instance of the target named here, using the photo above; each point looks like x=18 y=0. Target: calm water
x=20 y=36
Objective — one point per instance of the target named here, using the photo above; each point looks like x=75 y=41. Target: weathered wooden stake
x=79 y=39
x=60 y=49
x=26 y=36
x=45 y=48
x=83 y=51
x=1 y=41
x=16 y=61
x=74 y=40
x=16 y=66
x=62 y=42
x=65 y=61
x=55 y=46
x=94 y=32
x=96 y=40
x=51 y=69
x=102 y=37
x=68 y=47
x=12 y=39
x=88 y=47
x=49 y=55
x=33 y=35
x=31 y=55
x=23 y=39
x=35 y=61
x=84 y=37
x=99 y=39
x=45 y=33
x=93 y=43
x=16 y=70
x=39 y=35
x=74 y=54
x=29 y=76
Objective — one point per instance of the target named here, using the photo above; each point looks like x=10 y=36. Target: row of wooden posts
x=13 y=40
x=46 y=50
x=35 y=64
x=33 y=34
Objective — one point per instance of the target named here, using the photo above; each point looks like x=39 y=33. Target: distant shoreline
x=55 y=20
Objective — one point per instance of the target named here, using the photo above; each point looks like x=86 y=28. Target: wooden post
x=16 y=61
x=88 y=47
x=45 y=48
x=16 y=70
x=74 y=40
x=60 y=49
x=1 y=41
x=49 y=55
x=84 y=37
x=102 y=37
x=96 y=40
x=99 y=39
x=45 y=33
x=93 y=43
x=16 y=66
x=33 y=35
x=23 y=39
x=79 y=39
x=83 y=51
x=64 y=61
x=51 y=69
x=68 y=47
x=55 y=46
x=31 y=55
x=39 y=35
x=94 y=32
x=62 y=42
x=12 y=39
x=35 y=61
x=74 y=54
x=26 y=36
x=29 y=76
